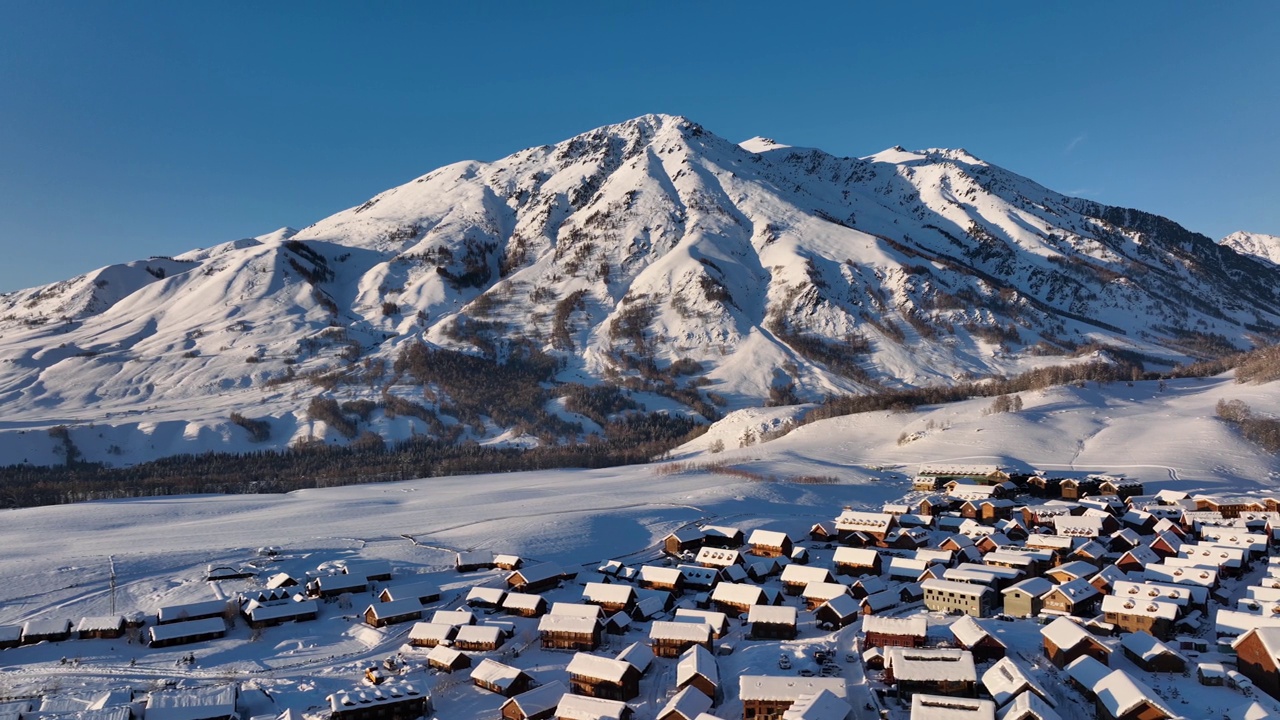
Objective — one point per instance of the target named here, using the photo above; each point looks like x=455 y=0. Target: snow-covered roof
x=1064 y=632
x=950 y=470
x=696 y=661
x=1029 y=706
x=772 y=614
x=844 y=605
x=698 y=575
x=946 y=707
x=969 y=631
x=368 y=569
x=717 y=620
x=1087 y=670
x=1233 y=622
x=638 y=655
x=594 y=612
x=439 y=632
x=795 y=574
x=486 y=634
x=689 y=703
x=824 y=591
x=486 y=595
x=788 y=687
x=1005 y=679
x=171 y=613
x=538 y=573
x=193 y=703
x=494 y=673
x=1119 y=692
x=599 y=668
x=930 y=664
x=1163 y=572
x=415 y=590
x=951 y=586
x=1145 y=646
x=397 y=608
x=1035 y=586
x=1145 y=607
x=100 y=623
x=188 y=628
x=1077 y=590
x=576 y=624
x=737 y=594
x=611 y=593
x=522 y=601
x=717 y=557
x=264 y=613
x=390 y=691
x=768 y=538
x=661 y=575
x=912 y=626
x=864 y=521
x=539 y=699
x=683 y=631
x=583 y=707
x=453 y=617
x=443 y=654
x=822 y=705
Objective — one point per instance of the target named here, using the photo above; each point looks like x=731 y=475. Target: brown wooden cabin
x=536 y=704
x=603 y=678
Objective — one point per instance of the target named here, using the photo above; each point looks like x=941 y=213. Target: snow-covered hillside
x=1265 y=247
x=701 y=274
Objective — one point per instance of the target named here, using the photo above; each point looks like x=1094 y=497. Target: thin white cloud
x=1075 y=142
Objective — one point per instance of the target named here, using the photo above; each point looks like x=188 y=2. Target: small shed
x=446 y=659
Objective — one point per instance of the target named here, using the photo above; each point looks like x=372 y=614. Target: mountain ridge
x=696 y=274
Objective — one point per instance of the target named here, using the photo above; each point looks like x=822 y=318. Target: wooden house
x=1151 y=655
x=393 y=613
x=524 y=604
x=423 y=592
x=1137 y=559
x=535 y=578
x=485 y=597
x=603 y=678
x=101 y=627
x=194 y=611
x=773 y=622
x=190 y=631
x=456 y=618
x=507 y=561
x=717 y=621
x=447 y=659
x=769 y=697
x=879 y=602
x=1134 y=614
x=392 y=700
x=1120 y=696
x=262 y=615
x=611 y=597
x=672 y=639
x=569 y=632
x=682 y=541
x=1065 y=640
x=698 y=578
x=478 y=638
x=817 y=593
x=718 y=557
x=536 y=704
x=770 y=543
x=937 y=671
x=499 y=678
x=734 y=599
x=867 y=585
x=796 y=577
x=874 y=525
x=369 y=570
x=1076 y=597
x=697 y=669
x=930 y=707
x=1120 y=487
x=721 y=536
x=639 y=655
x=582 y=707
x=857 y=561
x=1023 y=599
x=823 y=531
x=34 y=631
x=429 y=635
x=911 y=631
x=10 y=636
x=1258 y=658
x=331 y=586
x=1076 y=488
x=975 y=638
x=837 y=612
x=472 y=560
x=652 y=577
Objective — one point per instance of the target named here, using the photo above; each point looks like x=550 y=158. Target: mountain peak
x=1258 y=245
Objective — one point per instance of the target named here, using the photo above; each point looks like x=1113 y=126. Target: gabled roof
x=638 y=655
x=1119 y=692
x=613 y=593
x=772 y=614
x=969 y=632
x=1029 y=706
x=768 y=538
x=1147 y=647
x=696 y=661
x=822 y=705
x=539 y=699
x=1005 y=679
x=681 y=631
x=599 y=668
x=689 y=703
x=946 y=707
x=583 y=707
x=930 y=664
x=912 y=626
x=1145 y=607
x=737 y=594
x=1078 y=590
x=1087 y=670
x=804 y=574
x=1066 y=633
x=1036 y=586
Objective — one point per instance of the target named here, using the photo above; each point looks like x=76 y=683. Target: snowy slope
x=1264 y=247
x=620 y=252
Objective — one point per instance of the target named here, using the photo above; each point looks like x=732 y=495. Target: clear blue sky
x=129 y=129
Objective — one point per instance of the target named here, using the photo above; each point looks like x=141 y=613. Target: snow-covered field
x=56 y=561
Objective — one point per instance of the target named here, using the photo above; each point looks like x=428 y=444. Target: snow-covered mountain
x=694 y=272
x=1264 y=247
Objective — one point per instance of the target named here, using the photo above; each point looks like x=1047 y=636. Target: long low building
x=180 y=633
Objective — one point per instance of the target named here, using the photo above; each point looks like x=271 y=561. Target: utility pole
x=112 y=562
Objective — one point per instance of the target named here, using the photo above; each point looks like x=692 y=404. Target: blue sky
x=130 y=129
